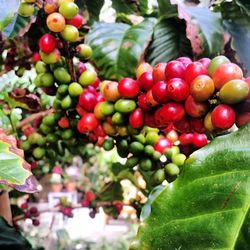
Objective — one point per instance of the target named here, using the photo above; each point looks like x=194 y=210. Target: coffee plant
x=165 y=87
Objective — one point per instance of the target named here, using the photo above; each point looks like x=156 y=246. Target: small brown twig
x=34 y=117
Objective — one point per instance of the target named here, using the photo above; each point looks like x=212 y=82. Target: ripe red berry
x=24 y=206
x=63 y=122
x=118 y=206
x=33 y=210
x=35 y=222
x=159 y=92
x=142 y=103
x=47 y=43
x=85 y=203
x=89 y=196
x=199 y=140
x=186 y=139
x=128 y=88
x=177 y=89
x=193 y=70
x=185 y=60
x=162 y=144
x=223 y=117
x=170 y=112
x=146 y=81
x=87 y=100
x=75 y=21
x=175 y=69
x=136 y=118
x=87 y=123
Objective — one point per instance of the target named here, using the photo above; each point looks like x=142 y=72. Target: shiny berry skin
x=87 y=100
x=202 y=88
x=186 y=139
x=87 y=123
x=159 y=72
x=33 y=210
x=150 y=99
x=175 y=69
x=63 y=122
x=24 y=206
x=142 y=103
x=128 y=88
x=223 y=117
x=193 y=70
x=177 y=89
x=159 y=92
x=170 y=112
x=225 y=73
x=184 y=60
x=162 y=144
x=47 y=43
x=195 y=109
x=205 y=61
x=146 y=81
x=75 y=21
x=197 y=125
x=118 y=206
x=199 y=140
x=89 y=196
x=35 y=222
x=136 y=118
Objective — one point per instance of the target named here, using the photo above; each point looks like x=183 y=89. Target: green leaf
x=123 y=7
x=169 y=42
x=204 y=30
x=15 y=116
x=14 y=170
x=119 y=47
x=205 y=208
x=10 y=238
x=167 y=9
x=111 y=191
x=236 y=17
x=21 y=25
x=94 y=7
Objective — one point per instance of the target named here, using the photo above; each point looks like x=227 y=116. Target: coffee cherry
x=193 y=70
x=68 y=10
x=174 y=69
x=24 y=206
x=70 y=33
x=146 y=81
x=177 y=89
x=179 y=159
x=75 y=21
x=186 y=139
x=47 y=43
x=87 y=78
x=46 y=80
x=75 y=89
x=52 y=57
x=159 y=176
x=55 y=22
x=62 y=75
x=199 y=140
x=223 y=117
x=38 y=152
x=84 y=51
x=172 y=169
x=87 y=123
x=194 y=108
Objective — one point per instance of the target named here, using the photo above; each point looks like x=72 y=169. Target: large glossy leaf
x=10 y=238
x=94 y=8
x=206 y=207
x=204 y=30
x=14 y=170
x=167 y=8
x=169 y=41
x=236 y=17
x=123 y=6
x=119 y=47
